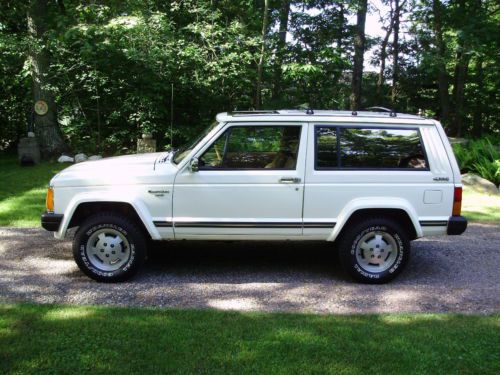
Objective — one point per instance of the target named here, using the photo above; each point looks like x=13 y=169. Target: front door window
x=253 y=147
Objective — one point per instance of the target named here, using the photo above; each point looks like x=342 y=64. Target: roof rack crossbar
x=255 y=112
x=392 y=112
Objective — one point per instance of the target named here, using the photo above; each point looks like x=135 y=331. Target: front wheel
x=374 y=251
x=109 y=248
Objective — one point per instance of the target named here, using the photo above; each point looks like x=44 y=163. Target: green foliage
x=113 y=64
x=470 y=34
x=14 y=82
x=87 y=339
x=480 y=157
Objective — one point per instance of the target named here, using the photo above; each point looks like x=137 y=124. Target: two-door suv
x=368 y=181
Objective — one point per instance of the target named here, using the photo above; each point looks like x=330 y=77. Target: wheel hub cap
x=376 y=251
x=108 y=249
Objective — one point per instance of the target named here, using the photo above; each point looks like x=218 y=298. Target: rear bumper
x=51 y=222
x=456 y=225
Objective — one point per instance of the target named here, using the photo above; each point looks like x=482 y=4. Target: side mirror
x=194 y=165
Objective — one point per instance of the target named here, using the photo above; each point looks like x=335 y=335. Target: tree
x=477 y=119
x=359 y=50
x=383 y=52
x=110 y=65
x=395 y=51
x=46 y=126
x=260 y=66
x=284 y=11
x=465 y=42
x=442 y=75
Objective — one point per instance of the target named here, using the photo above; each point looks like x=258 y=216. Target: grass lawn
x=477 y=206
x=69 y=339
x=22 y=195
x=22 y=191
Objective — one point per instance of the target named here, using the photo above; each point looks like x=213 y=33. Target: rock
x=479 y=184
x=80 y=158
x=31 y=135
x=146 y=145
x=458 y=141
x=95 y=157
x=65 y=159
x=28 y=151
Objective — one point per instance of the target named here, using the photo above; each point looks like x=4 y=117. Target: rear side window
x=369 y=148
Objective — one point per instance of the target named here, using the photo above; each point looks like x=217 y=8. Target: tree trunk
x=395 y=53
x=462 y=65
x=260 y=66
x=477 y=119
x=359 y=50
x=461 y=73
x=383 y=57
x=444 y=98
x=341 y=22
x=280 y=50
x=46 y=127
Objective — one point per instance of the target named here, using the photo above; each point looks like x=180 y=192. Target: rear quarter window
x=339 y=147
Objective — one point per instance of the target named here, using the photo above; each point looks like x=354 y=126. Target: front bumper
x=51 y=221
x=456 y=225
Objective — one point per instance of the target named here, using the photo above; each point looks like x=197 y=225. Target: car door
x=250 y=183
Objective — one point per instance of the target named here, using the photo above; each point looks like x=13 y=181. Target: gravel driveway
x=445 y=274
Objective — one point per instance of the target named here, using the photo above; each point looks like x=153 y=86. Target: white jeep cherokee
x=369 y=181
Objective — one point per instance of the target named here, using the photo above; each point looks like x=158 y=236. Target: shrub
x=480 y=157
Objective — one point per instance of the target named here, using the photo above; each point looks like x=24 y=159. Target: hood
x=150 y=168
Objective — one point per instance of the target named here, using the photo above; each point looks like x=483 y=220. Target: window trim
x=226 y=141
x=338 y=131
x=257 y=125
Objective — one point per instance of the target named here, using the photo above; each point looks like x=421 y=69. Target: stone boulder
x=458 y=141
x=65 y=159
x=479 y=184
x=28 y=151
x=146 y=145
x=95 y=157
x=80 y=158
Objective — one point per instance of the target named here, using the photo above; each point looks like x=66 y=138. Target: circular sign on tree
x=41 y=107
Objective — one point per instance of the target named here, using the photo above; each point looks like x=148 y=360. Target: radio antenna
x=172 y=116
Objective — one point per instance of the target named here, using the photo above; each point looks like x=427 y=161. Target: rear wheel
x=374 y=251
x=108 y=247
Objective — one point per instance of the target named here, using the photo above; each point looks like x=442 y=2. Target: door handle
x=290 y=180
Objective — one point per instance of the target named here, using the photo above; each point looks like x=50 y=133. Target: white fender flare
x=374 y=203
x=103 y=196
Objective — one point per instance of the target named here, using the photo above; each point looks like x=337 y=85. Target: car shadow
x=245 y=261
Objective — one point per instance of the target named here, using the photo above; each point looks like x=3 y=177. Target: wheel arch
x=397 y=209
x=83 y=206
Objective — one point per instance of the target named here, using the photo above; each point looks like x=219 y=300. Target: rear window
x=369 y=148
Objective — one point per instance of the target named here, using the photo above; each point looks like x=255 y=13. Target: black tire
x=355 y=264
x=135 y=249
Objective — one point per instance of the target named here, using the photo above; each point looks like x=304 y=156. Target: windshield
x=185 y=149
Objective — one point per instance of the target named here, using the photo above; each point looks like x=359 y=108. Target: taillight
x=49 y=200
x=457 y=201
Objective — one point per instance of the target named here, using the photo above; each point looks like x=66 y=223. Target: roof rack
x=392 y=112
x=371 y=112
x=253 y=112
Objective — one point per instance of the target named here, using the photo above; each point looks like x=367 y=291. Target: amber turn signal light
x=49 y=200
x=457 y=201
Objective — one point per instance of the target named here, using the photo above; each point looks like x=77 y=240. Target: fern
x=480 y=157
